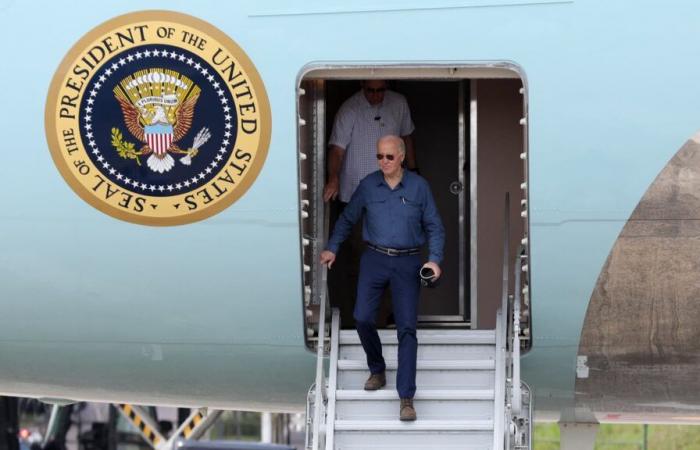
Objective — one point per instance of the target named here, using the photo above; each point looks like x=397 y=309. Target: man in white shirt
x=368 y=115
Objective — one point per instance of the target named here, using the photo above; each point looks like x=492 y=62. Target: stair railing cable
x=500 y=412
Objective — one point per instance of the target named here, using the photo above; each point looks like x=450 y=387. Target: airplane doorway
x=439 y=129
x=469 y=137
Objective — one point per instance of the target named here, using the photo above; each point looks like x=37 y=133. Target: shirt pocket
x=376 y=205
x=411 y=209
x=391 y=124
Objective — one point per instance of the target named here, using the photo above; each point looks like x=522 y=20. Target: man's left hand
x=435 y=268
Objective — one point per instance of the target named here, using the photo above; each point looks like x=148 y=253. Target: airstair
x=470 y=395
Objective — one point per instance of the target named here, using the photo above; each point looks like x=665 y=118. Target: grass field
x=627 y=437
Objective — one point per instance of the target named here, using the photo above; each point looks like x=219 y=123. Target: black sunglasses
x=381 y=156
x=375 y=90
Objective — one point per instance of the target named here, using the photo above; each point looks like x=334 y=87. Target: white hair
x=400 y=144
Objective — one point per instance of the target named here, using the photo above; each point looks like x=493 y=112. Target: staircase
x=469 y=395
x=458 y=400
x=454 y=400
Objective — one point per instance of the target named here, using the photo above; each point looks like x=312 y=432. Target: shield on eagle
x=159 y=137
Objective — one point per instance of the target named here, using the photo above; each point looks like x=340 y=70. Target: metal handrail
x=310 y=395
x=516 y=392
x=529 y=412
x=320 y=377
x=499 y=385
x=321 y=394
x=508 y=394
x=506 y=252
x=332 y=378
x=501 y=339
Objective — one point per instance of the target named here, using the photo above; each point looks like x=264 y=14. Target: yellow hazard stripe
x=140 y=424
x=196 y=420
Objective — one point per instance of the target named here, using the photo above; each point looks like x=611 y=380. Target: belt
x=394 y=251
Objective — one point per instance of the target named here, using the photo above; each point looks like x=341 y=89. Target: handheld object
x=427 y=277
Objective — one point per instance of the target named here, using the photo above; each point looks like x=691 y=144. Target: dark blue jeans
x=401 y=274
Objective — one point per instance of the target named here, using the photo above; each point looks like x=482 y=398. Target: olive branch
x=125 y=149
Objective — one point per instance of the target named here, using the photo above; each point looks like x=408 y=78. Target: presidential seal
x=158 y=118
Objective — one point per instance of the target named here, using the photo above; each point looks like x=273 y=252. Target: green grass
x=626 y=437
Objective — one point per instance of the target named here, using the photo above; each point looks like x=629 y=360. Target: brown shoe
x=408 y=413
x=375 y=381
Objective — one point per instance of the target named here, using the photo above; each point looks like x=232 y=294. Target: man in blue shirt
x=399 y=217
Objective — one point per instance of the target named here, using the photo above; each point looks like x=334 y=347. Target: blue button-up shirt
x=403 y=217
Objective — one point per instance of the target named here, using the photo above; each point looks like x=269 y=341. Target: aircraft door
x=441 y=120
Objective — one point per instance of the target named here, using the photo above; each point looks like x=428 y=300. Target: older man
x=372 y=112
x=400 y=217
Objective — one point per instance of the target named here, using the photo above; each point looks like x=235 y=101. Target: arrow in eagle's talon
x=200 y=139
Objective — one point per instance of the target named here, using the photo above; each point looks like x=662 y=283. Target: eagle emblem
x=158 y=108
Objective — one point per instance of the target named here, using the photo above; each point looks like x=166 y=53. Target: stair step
x=425 y=351
x=418 y=425
x=421 y=394
x=454 y=402
x=479 y=364
x=425 y=379
x=385 y=405
x=414 y=440
x=428 y=337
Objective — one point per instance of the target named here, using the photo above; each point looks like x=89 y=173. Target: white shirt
x=357 y=128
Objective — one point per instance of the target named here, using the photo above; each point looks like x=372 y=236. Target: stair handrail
x=516 y=396
x=501 y=339
x=320 y=383
x=332 y=378
x=321 y=394
x=308 y=429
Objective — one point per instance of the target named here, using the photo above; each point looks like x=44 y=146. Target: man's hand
x=328 y=258
x=435 y=268
x=335 y=161
x=330 y=190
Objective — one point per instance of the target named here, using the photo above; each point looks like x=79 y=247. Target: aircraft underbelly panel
x=251 y=377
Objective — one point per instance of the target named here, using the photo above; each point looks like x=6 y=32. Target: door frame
x=445 y=71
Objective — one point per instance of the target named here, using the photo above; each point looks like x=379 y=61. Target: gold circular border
x=187 y=20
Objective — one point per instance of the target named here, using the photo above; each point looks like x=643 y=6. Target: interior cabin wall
x=499 y=170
